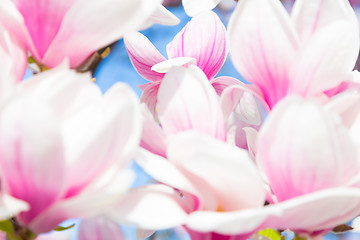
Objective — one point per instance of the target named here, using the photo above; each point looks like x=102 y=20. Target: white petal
x=165 y=66
x=230 y=223
x=151 y=207
x=187 y=101
x=228 y=170
x=311 y=15
x=10 y=207
x=162 y=16
x=263 y=42
x=194 y=7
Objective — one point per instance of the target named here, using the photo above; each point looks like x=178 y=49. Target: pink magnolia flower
x=205 y=174
x=208 y=185
x=307 y=53
x=311 y=163
x=217 y=192
x=186 y=101
x=63 y=144
x=201 y=41
x=73 y=29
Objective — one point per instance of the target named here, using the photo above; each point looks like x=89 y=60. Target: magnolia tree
x=277 y=158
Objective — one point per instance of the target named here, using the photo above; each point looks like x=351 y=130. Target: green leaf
x=6 y=226
x=60 y=228
x=270 y=233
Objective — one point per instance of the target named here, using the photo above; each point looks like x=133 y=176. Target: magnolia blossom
x=313 y=177
x=74 y=29
x=63 y=146
x=186 y=101
x=217 y=192
x=218 y=187
x=205 y=173
x=307 y=53
x=202 y=42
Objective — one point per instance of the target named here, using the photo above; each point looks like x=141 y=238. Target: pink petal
x=251 y=137
x=153 y=137
x=352 y=82
x=143 y=56
x=220 y=83
x=186 y=101
x=14 y=62
x=99 y=228
x=347 y=106
x=231 y=97
x=100 y=196
x=304 y=214
x=352 y=118
x=203 y=38
x=325 y=60
x=194 y=7
x=15 y=23
x=14 y=56
x=31 y=152
x=354 y=2
x=310 y=16
x=149 y=96
x=112 y=20
x=43 y=20
x=194 y=235
x=241 y=110
x=191 y=187
x=207 y=158
x=164 y=171
x=262 y=45
x=104 y=133
x=296 y=163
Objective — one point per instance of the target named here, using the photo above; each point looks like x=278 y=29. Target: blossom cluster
x=230 y=160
